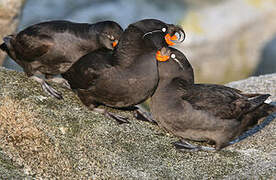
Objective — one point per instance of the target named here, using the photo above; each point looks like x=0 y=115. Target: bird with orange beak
x=50 y=48
x=126 y=76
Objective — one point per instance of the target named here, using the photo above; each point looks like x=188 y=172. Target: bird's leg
x=143 y=115
x=185 y=146
x=58 y=80
x=46 y=87
x=118 y=118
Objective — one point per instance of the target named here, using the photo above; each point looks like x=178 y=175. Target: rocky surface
x=224 y=42
x=10 y=11
x=267 y=63
x=41 y=137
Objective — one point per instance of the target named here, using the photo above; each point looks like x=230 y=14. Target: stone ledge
x=42 y=137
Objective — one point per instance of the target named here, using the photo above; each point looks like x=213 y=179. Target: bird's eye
x=173 y=56
x=110 y=37
x=164 y=29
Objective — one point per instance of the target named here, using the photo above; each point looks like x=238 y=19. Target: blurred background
x=226 y=40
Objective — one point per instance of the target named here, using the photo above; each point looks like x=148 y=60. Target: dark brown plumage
x=202 y=112
x=124 y=77
x=50 y=48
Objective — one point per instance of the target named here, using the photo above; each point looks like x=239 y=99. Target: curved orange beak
x=160 y=57
x=170 y=38
x=114 y=43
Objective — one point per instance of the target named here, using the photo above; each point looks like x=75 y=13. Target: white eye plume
x=158 y=30
x=173 y=56
x=110 y=37
x=150 y=32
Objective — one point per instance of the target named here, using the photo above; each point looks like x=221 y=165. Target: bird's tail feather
x=255 y=129
x=4 y=47
x=258 y=101
x=7 y=43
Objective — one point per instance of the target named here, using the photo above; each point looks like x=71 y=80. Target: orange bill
x=169 y=39
x=114 y=44
x=174 y=38
x=160 y=57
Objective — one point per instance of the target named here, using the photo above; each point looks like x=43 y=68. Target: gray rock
x=267 y=63
x=42 y=137
x=224 y=42
x=10 y=11
x=258 y=84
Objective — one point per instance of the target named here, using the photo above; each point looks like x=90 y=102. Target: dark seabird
x=126 y=76
x=50 y=48
x=202 y=112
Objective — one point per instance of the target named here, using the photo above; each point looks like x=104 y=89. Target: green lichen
x=8 y=170
x=76 y=143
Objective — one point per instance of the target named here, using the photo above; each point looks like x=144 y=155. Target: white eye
x=173 y=56
x=110 y=37
x=164 y=29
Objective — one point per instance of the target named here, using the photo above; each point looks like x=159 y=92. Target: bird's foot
x=187 y=147
x=120 y=119
x=66 y=85
x=51 y=91
x=47 y=88
x=143 y=115
x=60 y=80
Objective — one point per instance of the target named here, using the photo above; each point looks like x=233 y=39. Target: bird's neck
x=131 y=47
x=172 y=84
x=163 y=86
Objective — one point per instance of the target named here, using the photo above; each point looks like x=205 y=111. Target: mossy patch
x=49 y=138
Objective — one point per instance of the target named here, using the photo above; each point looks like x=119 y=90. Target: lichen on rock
x=42 y=137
